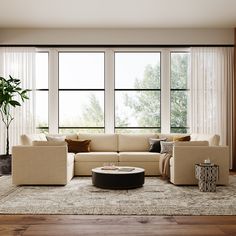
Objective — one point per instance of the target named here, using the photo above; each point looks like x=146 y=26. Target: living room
x=113 y=114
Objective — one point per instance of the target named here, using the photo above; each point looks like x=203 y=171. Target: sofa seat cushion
x=139 y=156
x=96 y=157
x=101 y=142
x=135 y=142
x=70 y=158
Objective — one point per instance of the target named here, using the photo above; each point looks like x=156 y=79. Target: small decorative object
x=126 y=169
x=207 y=175
x=207 y=161
x=9 y=90
x=109 y=166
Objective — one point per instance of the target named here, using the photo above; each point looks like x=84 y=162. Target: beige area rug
x=156 y=197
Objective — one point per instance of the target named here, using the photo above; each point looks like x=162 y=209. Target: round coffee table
x=119 y=178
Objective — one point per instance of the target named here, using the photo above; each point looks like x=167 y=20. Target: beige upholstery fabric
x=56 y=138
x=134 y=142
x=70 y=158
x=27 y=139
x=72 y=136
x=182 y=170
x=84 y=168
x=48 y=143
x=44 y=165
x=213 y=139
x=139 y=156
x=191 y=143
x=61 y=137
x=96 y=156
x=85 y=162
x=101 y=142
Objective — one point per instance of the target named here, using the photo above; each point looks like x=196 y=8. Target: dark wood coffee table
x=118 y=178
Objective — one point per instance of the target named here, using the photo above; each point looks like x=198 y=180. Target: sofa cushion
x=49 y=143
x=213 y=139
x=170 y=137
x=97 y=157
x=139 y=156
x=134 y=142
x=101 y=142
x=155 y=144
x=167 y=147
x=56 y=138
x=78 y=145
x=27 y=139
x=70 y=158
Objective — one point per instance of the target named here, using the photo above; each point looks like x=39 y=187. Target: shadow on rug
x=156 y=197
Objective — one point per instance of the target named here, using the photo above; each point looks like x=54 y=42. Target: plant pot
x=5 y=164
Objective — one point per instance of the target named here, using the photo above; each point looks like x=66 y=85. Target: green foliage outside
x=93 y=113
x=179 y=99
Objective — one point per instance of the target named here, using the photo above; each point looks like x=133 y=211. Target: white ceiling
x=118 y=13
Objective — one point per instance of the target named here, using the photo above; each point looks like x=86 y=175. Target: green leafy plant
x=10 y=91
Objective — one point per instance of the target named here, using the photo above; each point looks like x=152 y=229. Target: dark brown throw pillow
x=184 y=138
x=78 y=145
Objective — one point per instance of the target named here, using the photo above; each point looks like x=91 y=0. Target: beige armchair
x=182 y=164
x=41 y=165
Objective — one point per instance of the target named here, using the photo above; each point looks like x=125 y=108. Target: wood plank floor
x=67 y=225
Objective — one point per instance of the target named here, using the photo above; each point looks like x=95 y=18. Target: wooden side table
x=207 y=176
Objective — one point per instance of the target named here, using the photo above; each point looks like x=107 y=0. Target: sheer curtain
x=211 y=91
x=19 y=62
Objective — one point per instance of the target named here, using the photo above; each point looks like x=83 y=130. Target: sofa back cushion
x=213 y=139
x=27 y=139
x=134 y=142
x=101 y=142
x=60 y=137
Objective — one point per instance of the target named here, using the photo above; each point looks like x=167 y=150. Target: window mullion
x=165 y=91
x=53 y=91
x=109 y=91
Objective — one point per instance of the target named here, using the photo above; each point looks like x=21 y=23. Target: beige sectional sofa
x=46 y=164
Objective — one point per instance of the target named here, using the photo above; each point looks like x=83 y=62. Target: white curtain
x=211 y=96
x=19 y=62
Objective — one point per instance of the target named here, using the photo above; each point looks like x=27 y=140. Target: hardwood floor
x=67 y=225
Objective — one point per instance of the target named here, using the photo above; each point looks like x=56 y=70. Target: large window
x=137 y=92
x=81 y=92
x=179 y=92
x=42 y=92
x=113 y=90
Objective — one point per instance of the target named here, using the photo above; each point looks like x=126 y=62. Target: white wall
x=116 y=36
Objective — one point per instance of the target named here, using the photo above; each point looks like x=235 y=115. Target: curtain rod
x=117 y=45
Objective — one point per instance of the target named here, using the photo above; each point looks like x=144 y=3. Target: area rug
x=156 y=197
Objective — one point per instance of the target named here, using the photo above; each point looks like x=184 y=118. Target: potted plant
x=11 y=96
